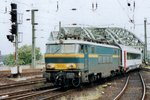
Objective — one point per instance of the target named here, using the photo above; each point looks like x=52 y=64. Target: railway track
x=146 y=69
x=38 y=95
x=134 y=88
x=25 y=92
x=24 y=83
x=50 y=94
x=25 y=73
x=57 y=95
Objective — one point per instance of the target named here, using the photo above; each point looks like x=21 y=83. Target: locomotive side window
x=92 y=50
x=115 y=51
x=104 y=59
x=85 y=49
x=100 y=60
x=81 y=48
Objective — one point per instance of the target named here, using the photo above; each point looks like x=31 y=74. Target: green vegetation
x=8 y=59
x=24 y=56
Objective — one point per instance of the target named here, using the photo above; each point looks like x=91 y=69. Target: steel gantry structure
x=113 y=35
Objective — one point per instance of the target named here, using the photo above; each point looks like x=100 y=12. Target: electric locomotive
x=75 y=58
x=73 y=62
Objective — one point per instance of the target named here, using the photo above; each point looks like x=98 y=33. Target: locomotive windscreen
x=61 y=48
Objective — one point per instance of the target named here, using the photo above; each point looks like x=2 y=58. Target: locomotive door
x=86 y=58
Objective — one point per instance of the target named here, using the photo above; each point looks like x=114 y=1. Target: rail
x=26 y=92
x=144 y=88
x=21 y=83
x=58 y=95
x=123 y=90
x=28 y=96
x=126 y=85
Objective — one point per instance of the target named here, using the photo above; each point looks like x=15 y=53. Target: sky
x=109 y=13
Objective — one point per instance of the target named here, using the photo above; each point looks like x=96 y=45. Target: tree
x=24 y=56
x=8 y=59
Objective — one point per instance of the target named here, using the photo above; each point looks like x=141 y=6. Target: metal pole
x=33 y=39
x=60 y=26
x=16 y=51
x=145 y=46
x=33 y=36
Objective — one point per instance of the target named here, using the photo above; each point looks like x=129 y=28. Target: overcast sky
x=115 y=13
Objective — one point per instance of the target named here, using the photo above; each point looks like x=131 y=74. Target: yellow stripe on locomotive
x=64 y=55
x=93 y=56
x=61 y=66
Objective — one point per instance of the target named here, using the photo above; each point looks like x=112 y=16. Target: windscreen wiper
x=56 y=51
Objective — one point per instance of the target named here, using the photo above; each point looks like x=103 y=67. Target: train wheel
x=76 y=82
x=117 y=72
x=113 y=73
x=47 y=80
x=99 y=76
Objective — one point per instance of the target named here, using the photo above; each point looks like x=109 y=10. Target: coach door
x=86 y=62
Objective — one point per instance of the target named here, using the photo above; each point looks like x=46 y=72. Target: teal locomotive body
x=75 y=62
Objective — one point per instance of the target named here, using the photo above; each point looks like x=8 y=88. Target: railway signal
x=13 y=19
x=14 y=32
x=13 y=29
x=13 y=14
x=10 y=38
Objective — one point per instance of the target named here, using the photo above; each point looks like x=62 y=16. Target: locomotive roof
x=80 y=42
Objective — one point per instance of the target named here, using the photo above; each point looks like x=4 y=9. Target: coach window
x=133 y=56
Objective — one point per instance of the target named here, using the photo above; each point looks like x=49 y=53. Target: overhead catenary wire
x=57 y=6
x=131 y=6
x=123 y=9
x=94 y=6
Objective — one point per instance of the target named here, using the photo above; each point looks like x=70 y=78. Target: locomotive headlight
x=79 y=74
x=68 y=66
x=50 y=66
x=47 y=66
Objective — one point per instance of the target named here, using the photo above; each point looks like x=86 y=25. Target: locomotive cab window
x=61 y=48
